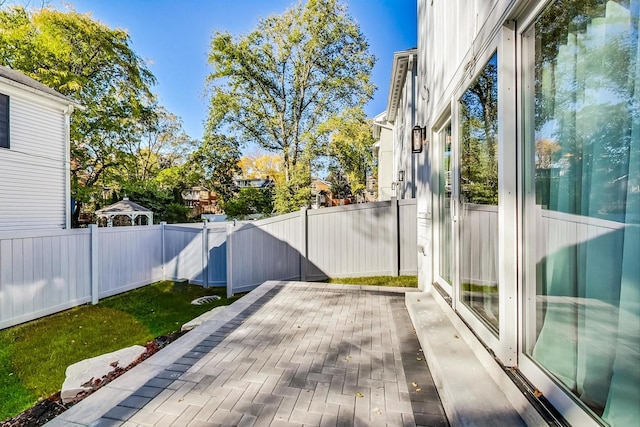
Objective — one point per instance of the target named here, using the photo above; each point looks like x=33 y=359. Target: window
x=478 y=188
x=583 y=215
x=4 y=121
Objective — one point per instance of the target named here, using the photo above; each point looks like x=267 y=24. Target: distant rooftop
x=123 y=206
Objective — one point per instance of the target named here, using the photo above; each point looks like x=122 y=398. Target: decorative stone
x=203 y=317
x=82 y=376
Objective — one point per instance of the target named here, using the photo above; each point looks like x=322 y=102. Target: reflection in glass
x=479 y=195
x=586 y=226
x=446 y=246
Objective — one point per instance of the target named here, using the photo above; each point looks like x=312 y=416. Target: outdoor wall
x=268 y=249
x=368 y=239
x=44 y=272
x=32 y=171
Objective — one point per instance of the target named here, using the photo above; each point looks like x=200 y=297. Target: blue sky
x=174 y=36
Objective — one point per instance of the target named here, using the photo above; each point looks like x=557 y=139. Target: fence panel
x=266 y=250
x=408 y=224
x=183 y=253
x=130 y=257
x=217 y=246
x=355 y=240
x=42 y=273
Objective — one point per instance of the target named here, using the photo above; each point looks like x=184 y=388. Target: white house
x=34 y=154
x=383 y=152
x=397 y=169
x=529 y=204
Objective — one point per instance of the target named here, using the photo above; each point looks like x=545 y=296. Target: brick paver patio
x=300 y=354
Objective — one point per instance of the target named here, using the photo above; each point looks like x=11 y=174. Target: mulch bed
x=47 y=409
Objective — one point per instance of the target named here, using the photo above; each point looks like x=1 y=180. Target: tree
x=92 y=64
x=218 y=160
x=276 y=85
x=250 y=201
x=351 y=147
x=159 y=144
x=261 y=166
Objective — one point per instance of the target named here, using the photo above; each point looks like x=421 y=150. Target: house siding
x=544 y=256
x=33 y=172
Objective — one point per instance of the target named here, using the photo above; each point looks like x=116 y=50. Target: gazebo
x=124 y=207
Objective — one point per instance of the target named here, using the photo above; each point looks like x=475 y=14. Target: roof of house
x=123 y=206
x=24 y=80
x=398 y=74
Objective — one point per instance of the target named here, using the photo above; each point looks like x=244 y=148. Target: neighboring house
x=321 y=193
x=201 y=200
x=383 y=152
x=529 y=193
x=34 y=154
x=397 y=168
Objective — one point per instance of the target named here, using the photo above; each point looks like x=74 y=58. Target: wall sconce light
x=400 y=175
x=418 y=138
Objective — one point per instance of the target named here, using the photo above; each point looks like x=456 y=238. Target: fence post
x=303 y=244
x=230 y=259
x=395 y=237
x=94 y=260
x=162 y=243
x=205 y=255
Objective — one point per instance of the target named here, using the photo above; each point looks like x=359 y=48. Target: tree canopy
x=122 y=135
x=275 y=86
x=351 y=147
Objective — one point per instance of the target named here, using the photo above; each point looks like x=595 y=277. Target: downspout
x=67 y=166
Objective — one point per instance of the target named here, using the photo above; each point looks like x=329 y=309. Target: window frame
x=5 y=136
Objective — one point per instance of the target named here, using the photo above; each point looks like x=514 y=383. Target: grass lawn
x=35 y=355
x=403 y=281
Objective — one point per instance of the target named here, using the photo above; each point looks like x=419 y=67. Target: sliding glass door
x=478 y=196
x=476 y=226
x=582 y=207
x=445 y=258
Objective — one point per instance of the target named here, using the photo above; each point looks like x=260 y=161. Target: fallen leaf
x=456 y=337
x=358 y=394
x=414 y=384
x=418 y=299
x=298 y=326
x=537 y=393
x=347 y=358
x=418 y=390
x=418 y=358
x=377 y=411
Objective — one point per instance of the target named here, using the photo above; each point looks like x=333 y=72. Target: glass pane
x=446 y=246
x=479 y=195
x=586 y=218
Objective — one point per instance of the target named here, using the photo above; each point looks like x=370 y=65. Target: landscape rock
x=203 y=317
x=81 y=376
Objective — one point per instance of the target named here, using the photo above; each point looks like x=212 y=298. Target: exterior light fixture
x=400 y=175
x=418 y=138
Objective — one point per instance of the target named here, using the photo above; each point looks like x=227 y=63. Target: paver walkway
x=294 y=354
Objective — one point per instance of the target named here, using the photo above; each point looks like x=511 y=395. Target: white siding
x=33 y=171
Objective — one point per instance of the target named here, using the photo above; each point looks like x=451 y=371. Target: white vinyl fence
x=368 y=239
x=44 y=272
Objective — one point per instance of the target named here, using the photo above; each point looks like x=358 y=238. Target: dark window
x=4 y=121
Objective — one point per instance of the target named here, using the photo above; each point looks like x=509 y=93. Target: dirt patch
x=47 y=409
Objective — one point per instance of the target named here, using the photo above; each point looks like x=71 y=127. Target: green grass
x=35 y=355
x=403 y=281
